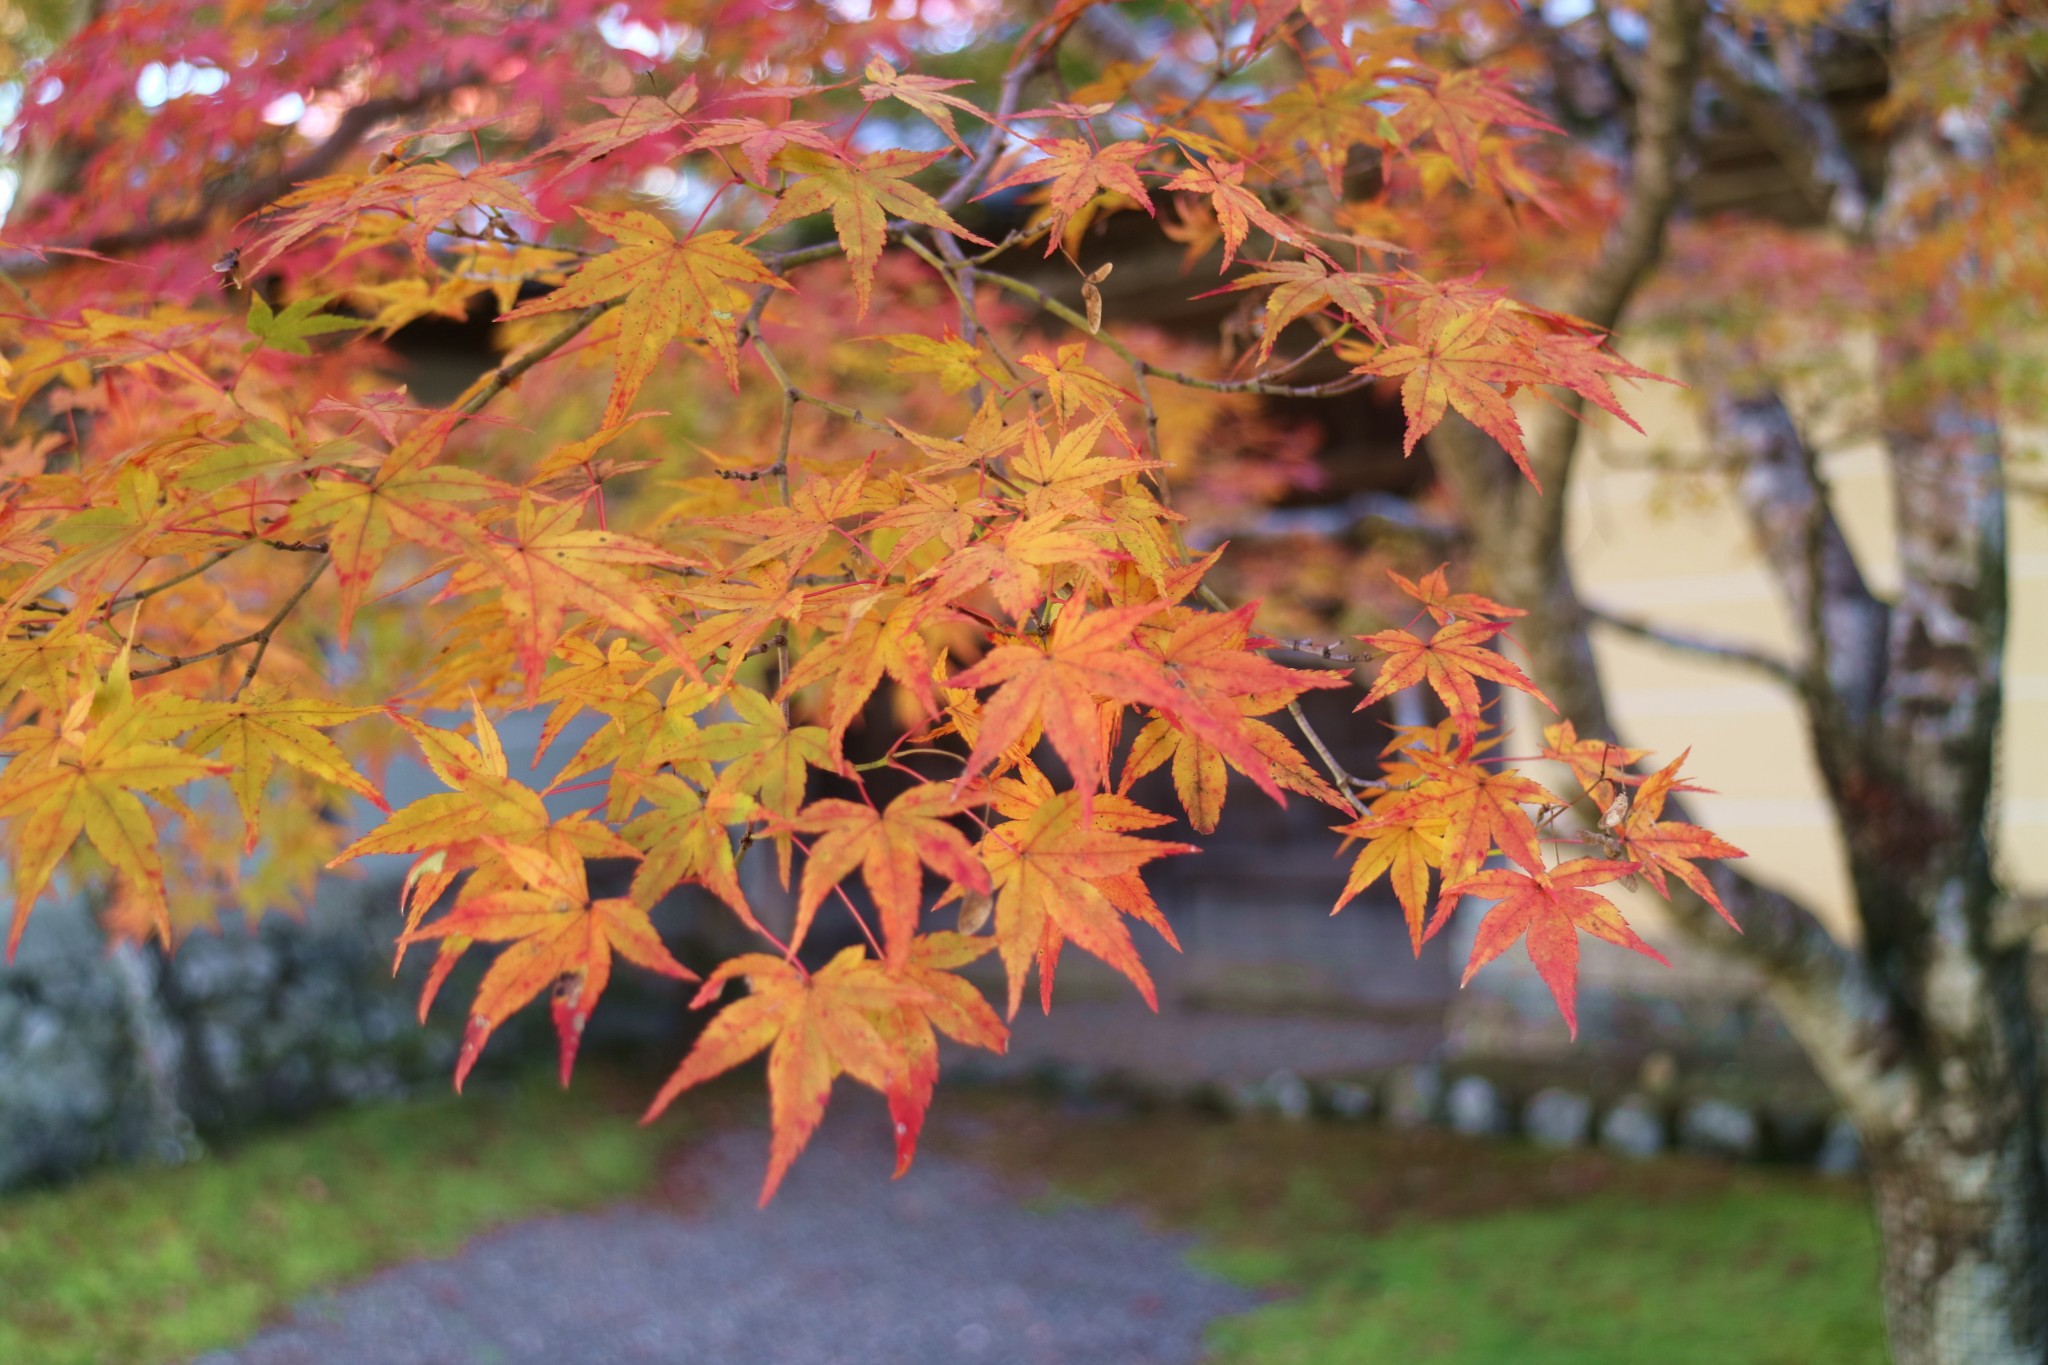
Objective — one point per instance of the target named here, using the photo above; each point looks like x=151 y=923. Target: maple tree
x=800 y=489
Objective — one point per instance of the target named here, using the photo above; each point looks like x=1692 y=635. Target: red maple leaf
x=1549 y=910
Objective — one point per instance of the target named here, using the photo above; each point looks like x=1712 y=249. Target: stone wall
x=126 y=1053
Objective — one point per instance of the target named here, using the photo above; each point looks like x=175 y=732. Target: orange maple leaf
x=861 y=195
x=947 y=1004
x=1481 y=810
x=1053 y=873
x=891 y=848
x=1456 y=363
x=1451 y=661
x=816 y=1027
x=1238 y=210
x=1308 y=286
x=1549 y=910
x=82 y=776
x=1458 y=107
x=691 y=286
x=958 y=364
x=559 y=938
x=1079 y=170
x=882 y=637
x=1443 y=605
x=682 y=837
x=1223 y=681
x=1087 y=656
x=794 y=532
x=1405 y=844
x=1671 y=845
x=759 y=142
x=926 y=94
x=254 y=732
x=1013 y=562
x=1201 y=768
x=1598 y=764
x=427 y=192
x=634 y=118
x=409 y=497
x=765 y=757
x=549 y=566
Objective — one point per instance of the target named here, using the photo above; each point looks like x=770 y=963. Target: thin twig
x=1347 y=784
x=263 y=637
x=1775 y=668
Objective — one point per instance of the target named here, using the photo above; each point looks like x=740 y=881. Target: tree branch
x=1790 y=509
x=1668 y=76
x=1792 y=119
x=1772 y=667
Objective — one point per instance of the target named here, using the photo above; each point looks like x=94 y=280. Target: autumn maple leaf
x=795 y=531
x=428 y=193
x=1201 y=769
x=765 y=757
x=1433 y=591
x=926 y=94
x=409 y=497
x=1238 y=210
x=549 y=566
x=861 y=195
x=1480 y=809
x=558 y=938
x=882 y=637
x=683 y=837
x=744 y=609
x=1051 y=873
x=945 y=1003
x=1459 y=106
x=816 y=1027
x=1599 y=765
x=1068 y=465
x=1308 y=286
x=633 y=119
x=890 y=847
x=1075 y=386
x=1549 y=910
x=1455 y=365
x=691 y=286
x=82 y=776
x=760 y=143
x=253 y=733
x=1223 y=682
x=1405 y=842
x=1078 y=171
x=1087 y=656
x=958 y=364
x=1671 y=845
x=1012 y=563
x=450 y=829
x=1451 y=661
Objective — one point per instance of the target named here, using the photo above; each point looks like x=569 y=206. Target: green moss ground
x=1428 y=1249
x=136 y=1267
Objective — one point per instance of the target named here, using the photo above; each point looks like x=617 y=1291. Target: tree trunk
x=1962 y=1202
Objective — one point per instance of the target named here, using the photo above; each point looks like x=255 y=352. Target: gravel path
x=845 y=1267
